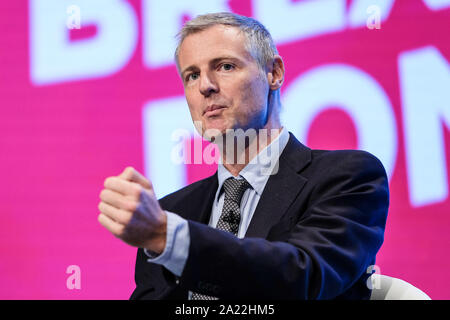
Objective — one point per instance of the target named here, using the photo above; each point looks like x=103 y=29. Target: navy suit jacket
x=316 y=229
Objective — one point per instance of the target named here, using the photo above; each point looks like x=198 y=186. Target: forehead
x=214 y=42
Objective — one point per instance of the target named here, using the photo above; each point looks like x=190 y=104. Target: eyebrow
x=212 y=62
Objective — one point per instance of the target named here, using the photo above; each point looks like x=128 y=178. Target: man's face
x=223 y=84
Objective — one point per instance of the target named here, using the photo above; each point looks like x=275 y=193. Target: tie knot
x=235 y=188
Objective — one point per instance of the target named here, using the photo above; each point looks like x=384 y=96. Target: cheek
x=254 y=98
x=195 y=106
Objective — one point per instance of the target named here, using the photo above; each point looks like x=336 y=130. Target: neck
x=239 y=149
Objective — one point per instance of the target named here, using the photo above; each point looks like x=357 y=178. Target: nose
x=208 y=84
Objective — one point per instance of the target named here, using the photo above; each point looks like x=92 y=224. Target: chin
x=214 y=129
x=212 y=134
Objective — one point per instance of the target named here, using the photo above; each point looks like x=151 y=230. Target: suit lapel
x=205 y=196
x=281 y=188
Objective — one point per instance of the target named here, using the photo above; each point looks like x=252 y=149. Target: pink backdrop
x=79 y=108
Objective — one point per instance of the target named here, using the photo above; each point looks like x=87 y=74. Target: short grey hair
x=259 y=41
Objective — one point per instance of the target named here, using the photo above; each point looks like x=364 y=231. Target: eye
x=227 y=66
x=192 y=76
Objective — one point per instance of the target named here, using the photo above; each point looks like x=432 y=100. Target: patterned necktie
x=231 y=214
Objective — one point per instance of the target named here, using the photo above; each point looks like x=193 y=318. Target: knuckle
x=130 y=205
x=137 y=189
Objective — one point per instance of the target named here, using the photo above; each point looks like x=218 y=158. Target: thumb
x=131 y=174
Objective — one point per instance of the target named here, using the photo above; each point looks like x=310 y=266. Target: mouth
x=213 y=110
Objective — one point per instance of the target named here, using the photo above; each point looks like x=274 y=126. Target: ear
x=275 y=75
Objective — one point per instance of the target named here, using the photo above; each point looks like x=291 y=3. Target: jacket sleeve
x=333 y=242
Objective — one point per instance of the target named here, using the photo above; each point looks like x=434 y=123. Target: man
x=282 y=222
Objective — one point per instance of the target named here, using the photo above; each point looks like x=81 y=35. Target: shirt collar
x=257 y=172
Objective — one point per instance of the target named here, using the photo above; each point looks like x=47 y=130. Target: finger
x=112 y=226
x=118 y=200
x=120 y=216
x=131 y=174
x=124 y=187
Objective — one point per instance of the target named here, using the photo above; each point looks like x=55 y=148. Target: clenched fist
x=130 y=211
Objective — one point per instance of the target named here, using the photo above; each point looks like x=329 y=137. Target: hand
x=130 y=211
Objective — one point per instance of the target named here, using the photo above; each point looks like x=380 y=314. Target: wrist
x=158 y=243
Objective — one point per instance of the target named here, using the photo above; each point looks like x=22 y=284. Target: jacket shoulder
x=351 y=159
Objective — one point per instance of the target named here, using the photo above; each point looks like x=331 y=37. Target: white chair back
x=389 y=288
